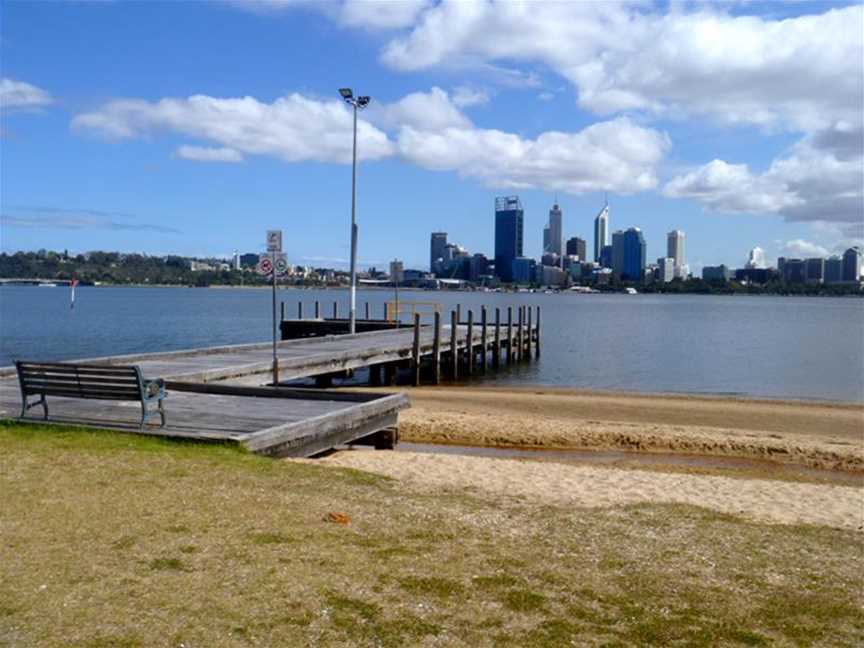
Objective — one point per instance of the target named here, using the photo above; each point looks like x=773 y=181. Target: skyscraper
x=756 y=259
x=852 y=264
x=509 y=220
x=576 y=246
x=553 y=235
x=436 y=249
x=675 y=247
x=601 y=231
x=628 y=254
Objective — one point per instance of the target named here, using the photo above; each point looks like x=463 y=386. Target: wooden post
x=385 y=310
x=282 y=311
x=484 y=340
x=454 y=343
x=470 y=339
x=458 y=313
x=416 y=350
x=496 y=346
x=519 y=331
x=390 y=374
x=530 y=335
x=299 y=310
x=509 y=334
x=537 y=338
x=367 y=310
x=436 y=350
x=335 y=310
x=317 y=310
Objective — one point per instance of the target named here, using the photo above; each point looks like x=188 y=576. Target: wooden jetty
x=226 y=393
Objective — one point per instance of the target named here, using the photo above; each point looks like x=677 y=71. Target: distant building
x=397 y=271
x=852 y=264
x=551 y=276
x=437 y=243
x=833 y=270
x=477 y=267
x=601 y=231
x=235 y=261
x=606 y=257
x=628 y=254
x=509 y=224
x=716 y=273
x=814 y=271
x=550 y=258
x=576 y=247
x=665 y=270
x=793 y=271
x=755 y=275
x=553 y=234
x=523 y=270
x=756 y=258
x=249 y=260
x=675 y=250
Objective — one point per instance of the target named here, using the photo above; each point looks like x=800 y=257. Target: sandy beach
x=815 y=434
x=566 y=485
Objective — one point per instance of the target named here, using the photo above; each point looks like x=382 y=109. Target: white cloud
x=464 y=96
x=820 y=179
x=294 y=128
x=800 y=73
x=617 y=155
x=546 y=96
x=423 y=128
x=801 y=248
x=431 y=110
x=208 y=154
x=381 y=14
x=18 y=94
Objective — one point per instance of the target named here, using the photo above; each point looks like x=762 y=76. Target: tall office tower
x=675 y=248
x=601 y=231
x=436 y=249
x=236 y=260
x=852 y=261
x=756 y=258
x=833 y=269
x=577 y=246
x=814 y=270
x=553 y=234
x=628 y=254
x=509 y=221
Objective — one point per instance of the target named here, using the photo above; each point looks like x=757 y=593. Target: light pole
x=358 y=103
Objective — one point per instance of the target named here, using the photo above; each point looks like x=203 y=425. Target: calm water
x=757 y=346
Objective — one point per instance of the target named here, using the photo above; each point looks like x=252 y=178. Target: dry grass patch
x=121 y=540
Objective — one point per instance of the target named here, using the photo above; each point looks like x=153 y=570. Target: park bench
x=101 y=382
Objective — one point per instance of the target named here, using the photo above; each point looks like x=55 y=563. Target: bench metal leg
x=162 y=410
x=25 y=406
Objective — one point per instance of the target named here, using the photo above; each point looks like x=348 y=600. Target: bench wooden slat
x=43 y=387
x=74 y=380
x=79 y=369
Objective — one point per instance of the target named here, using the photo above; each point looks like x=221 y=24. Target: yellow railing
x=404 y=311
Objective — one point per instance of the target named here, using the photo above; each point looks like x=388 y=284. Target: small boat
x=630 y=291
x=47 y=285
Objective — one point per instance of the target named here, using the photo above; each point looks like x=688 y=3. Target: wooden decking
x=279 y=422
x=227 y=394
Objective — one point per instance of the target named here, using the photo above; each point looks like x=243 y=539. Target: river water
x=782 y=347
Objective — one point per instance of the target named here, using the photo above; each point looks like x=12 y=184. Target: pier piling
x=416 y=350
x=281 y=311
x=496 y=345
x=299 y=310
x=335 y=310
x=537 y=335
x=454 y=342
x=484 y=340
x=519 y=332
x=470 y=340
x=509 y=335
x=317 y=310
x=530 y=334
x=367 y=310
x=436 y=351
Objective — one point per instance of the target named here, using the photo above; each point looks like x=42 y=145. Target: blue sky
x=124 y=125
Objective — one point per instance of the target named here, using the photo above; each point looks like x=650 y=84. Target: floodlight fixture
x=362 y=102
x=346 y=93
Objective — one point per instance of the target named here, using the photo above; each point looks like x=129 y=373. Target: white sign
x=274 y=240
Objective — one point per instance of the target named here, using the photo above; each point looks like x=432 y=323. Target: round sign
x=281 y=265
x=265 y=266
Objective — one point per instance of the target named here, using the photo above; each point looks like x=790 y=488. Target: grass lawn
x=120 y=540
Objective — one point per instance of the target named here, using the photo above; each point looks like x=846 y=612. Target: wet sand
x=820 y=435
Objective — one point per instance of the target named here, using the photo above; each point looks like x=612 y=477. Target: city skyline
x=160 y=150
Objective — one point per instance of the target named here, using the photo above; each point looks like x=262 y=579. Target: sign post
x=274 y=263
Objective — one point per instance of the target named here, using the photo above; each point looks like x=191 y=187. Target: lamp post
x=358 y=103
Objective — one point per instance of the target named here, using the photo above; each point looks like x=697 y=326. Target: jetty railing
x=433 y=344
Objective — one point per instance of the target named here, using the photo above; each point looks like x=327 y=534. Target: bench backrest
x=103 y=382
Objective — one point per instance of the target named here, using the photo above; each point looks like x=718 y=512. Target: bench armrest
x=154 y=387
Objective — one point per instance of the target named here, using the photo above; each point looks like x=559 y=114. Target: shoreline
x=816 y=434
